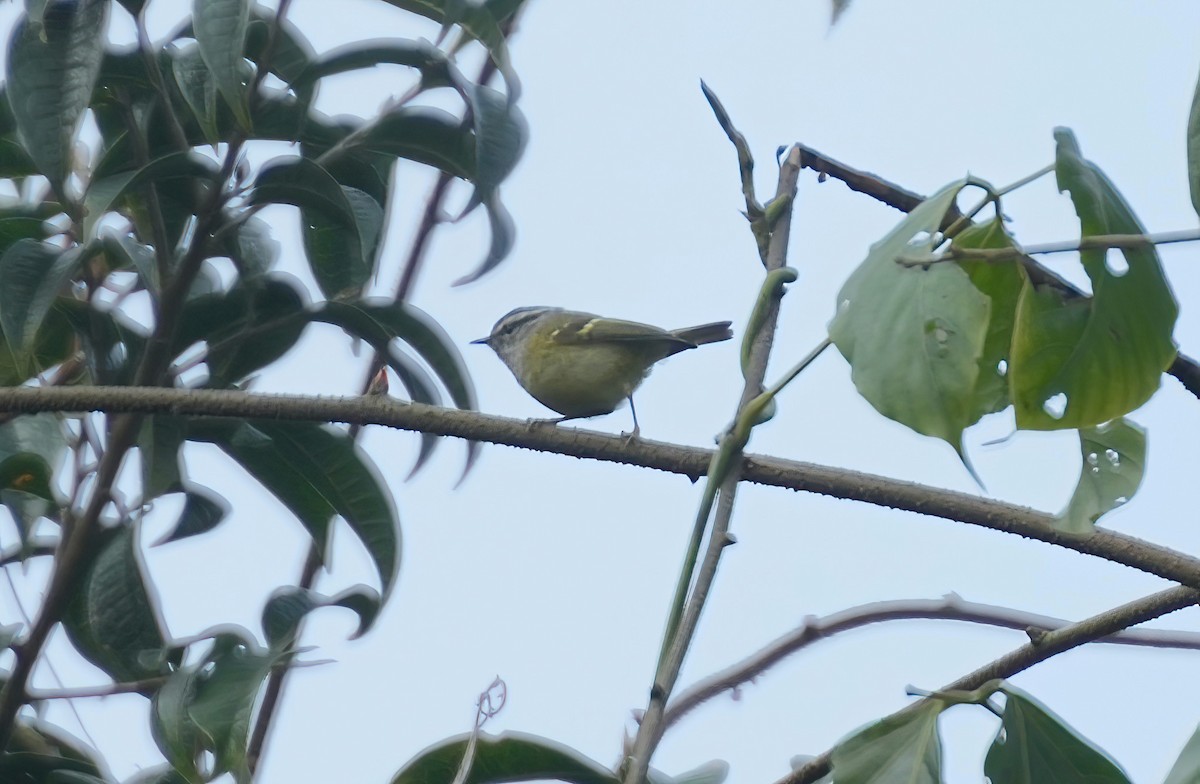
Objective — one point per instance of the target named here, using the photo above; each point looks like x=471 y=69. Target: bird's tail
x=706 y=333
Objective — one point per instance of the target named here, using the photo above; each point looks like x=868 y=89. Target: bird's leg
x=637 y=429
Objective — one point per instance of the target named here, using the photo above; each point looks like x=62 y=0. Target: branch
x=949 y=608
x=1046 y=646
x=688 y=461
x=1092 y=242
x=1184 y=368
x=756 y=351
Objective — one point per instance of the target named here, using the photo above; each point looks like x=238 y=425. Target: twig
x=679 y=640
x=1093 y=242
x=1184 y=368
x=1048 y=645
x=687 y=461
x=948 y=608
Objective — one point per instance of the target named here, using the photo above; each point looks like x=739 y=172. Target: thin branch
x=678 y=641
x=1184 y=368
x=687 y=461
x=1093 y=242
x=1048 y=645
x=948 y=608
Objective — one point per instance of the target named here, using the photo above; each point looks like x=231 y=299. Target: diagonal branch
x=949 y=608
x=1184 y=368
x=1046 y=646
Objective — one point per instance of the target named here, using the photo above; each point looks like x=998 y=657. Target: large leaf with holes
x=902 y=748
x=113 y=618
x=1034 y=746
x=51 y=70
x=511 y=756
x=1081 y=362
x=1001 y=282
x=914 y=336
x=317 y=473
x=1114 y=458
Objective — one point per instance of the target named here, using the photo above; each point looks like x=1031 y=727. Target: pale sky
x=556 y=573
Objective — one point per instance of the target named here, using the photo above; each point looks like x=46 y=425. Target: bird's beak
x=483 y=341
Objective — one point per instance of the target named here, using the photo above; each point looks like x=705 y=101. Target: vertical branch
x=778 y=216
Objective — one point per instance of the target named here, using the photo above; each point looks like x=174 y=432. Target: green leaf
x=501 y=133
x=504 y=236
x=478 y=23
x=51 y=70
x=425 y=135
x=1034 y=746
x=31 y=275
x=316 y=473
x=20 y=228
x=31 y=448
x=897 y=749
x=1114 y=457
x=106 y=189
x=436 y=69
x=343 y=259
x=253 y=248
x=914 y=336
x=1193 y=149
x=158 y=445
x=54 y=343
x=1001 y=282
x=207 y=706
x=341 y=226
x=198 y=88
x=220 y=30
x=203 y=510
x=1186 y=769
x=378 y=321
x=510 y=756
x=1082 y=362
x=287 y=607
x=245 y=328
x=113 y=618
x=292 y=53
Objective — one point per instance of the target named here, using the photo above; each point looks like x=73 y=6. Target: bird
x=582 y=365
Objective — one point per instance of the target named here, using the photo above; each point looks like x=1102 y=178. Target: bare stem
x=948 y=608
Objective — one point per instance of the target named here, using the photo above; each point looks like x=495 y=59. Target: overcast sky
x=555 y=573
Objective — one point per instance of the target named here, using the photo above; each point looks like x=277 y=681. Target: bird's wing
x=595 y=329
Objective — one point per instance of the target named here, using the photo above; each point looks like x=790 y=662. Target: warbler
x=583 y=365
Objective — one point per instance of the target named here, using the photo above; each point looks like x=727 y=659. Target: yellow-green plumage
x=582 y=365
